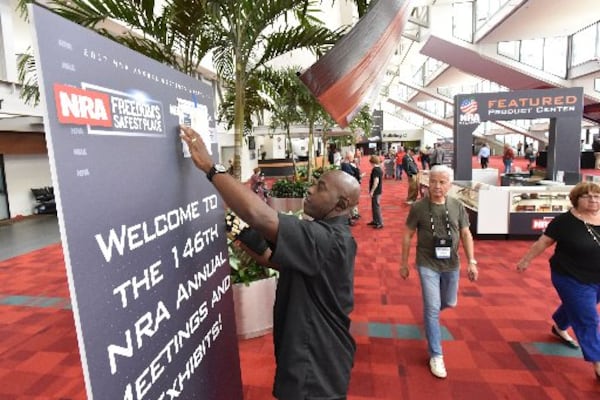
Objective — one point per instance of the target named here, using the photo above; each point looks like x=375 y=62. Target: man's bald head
x=347 y=186
x=335 y=193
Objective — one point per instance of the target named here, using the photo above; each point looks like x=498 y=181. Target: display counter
x=587 y=159
x=519 y=179
x=508 y=210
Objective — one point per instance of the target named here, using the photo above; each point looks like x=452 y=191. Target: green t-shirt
x=419 y=218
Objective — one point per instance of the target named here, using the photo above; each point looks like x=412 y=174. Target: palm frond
x=316 y=39
x=28 y=78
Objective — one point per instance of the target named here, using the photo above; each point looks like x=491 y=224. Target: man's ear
x=342 y=203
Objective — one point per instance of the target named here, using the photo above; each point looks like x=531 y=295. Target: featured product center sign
x=142 y=229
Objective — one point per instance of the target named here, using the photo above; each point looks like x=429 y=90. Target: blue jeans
x=439 y=291
x=507 y=166
x=399 y=170
x=578 y=309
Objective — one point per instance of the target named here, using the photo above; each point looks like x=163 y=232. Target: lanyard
x=447 y=219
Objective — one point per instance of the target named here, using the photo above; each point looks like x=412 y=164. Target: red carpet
x=498 y=343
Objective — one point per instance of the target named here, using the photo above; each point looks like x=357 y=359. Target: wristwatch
x=473 y=261
x=215 y=169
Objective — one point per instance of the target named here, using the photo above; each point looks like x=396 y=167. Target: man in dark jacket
x=349 y=167
x=412 y=171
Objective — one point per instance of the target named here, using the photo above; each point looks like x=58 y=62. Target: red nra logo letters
x=82 y=107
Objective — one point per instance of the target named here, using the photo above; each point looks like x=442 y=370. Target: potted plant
x=288 y=194
x=253 y=285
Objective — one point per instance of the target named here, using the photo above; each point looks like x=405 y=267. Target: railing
x=469 y=17
x=430 y=69
x=585 y=45
x=545 y=54
x=552 y=54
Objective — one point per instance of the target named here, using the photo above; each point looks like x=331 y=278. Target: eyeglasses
x=595 y=197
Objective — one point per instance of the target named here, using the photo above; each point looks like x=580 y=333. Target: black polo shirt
x=314 y=350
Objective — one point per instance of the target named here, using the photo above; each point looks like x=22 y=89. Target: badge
x=443 y=248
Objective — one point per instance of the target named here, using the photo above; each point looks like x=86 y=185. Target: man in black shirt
x=314 y=350
x=375 y=190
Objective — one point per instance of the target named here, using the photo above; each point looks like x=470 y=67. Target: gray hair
x=443 y=169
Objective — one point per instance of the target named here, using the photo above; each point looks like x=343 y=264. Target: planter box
x=284 y=204
x=254 y=307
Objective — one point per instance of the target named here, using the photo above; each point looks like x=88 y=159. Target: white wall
x=24 y=172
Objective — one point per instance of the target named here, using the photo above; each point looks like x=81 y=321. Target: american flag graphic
x=468 y=106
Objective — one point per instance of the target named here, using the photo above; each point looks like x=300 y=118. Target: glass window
x=510 y=49
x=462 y=21
x=444 y=91
x=555 y=56
x=597 y=84
x=582 y=49
x=532 y=52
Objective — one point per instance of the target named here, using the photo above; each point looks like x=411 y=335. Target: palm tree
x=363 y=120
x=283 y=91
x=244 y=35
x=313 y=113
x=292 y=102
x=178 y=34
x=251 y=34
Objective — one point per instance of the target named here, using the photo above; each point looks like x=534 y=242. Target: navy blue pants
x=578 y=310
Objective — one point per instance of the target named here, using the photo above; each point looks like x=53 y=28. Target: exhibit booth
x=517 y=209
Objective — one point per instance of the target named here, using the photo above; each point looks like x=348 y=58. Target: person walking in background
x=530 y=156
x=257 y=183
x=337 y=158
x=424 y=154
x=357 y=156
x=375 y=190
x=484 y=155
x=596 y=149
x=350 y=167
x=507 y=158
x=440 y=222
x=412 y=171
x=519 y=147
x=437 y=155
x=314 y=350
x=398 y=162
x=575 y=270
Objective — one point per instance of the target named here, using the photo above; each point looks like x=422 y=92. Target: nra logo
x=540 y=224
x=105 y=111
x=82 y=107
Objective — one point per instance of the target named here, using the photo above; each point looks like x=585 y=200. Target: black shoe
x=569 y=342
x=372 y=223
x=378 y=226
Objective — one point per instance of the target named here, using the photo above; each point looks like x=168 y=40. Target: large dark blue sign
x=142 y=229
x=564 y=108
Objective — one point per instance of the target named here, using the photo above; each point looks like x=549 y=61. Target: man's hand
x=197 y=147
x=404 y=271
x=472 y=272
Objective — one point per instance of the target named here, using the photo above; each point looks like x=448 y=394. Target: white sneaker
x=437 y=367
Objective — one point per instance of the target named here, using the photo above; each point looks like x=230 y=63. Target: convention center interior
x=127 y=270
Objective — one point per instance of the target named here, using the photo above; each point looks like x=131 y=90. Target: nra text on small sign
x=109 y=112
x=540 y=224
